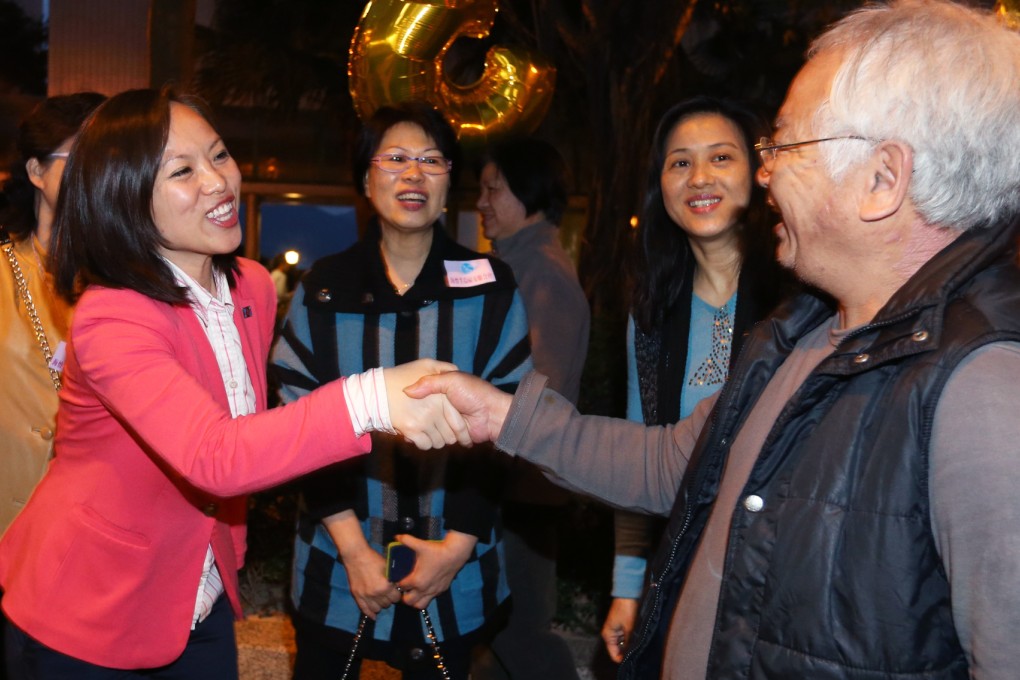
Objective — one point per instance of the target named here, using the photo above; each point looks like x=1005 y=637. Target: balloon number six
x=397 y=55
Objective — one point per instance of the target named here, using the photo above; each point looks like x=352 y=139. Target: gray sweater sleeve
x=975 y=505
x=625 y=464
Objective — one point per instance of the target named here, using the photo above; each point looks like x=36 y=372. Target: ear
x=35 y=172
x=364 y=183
x=890 y=167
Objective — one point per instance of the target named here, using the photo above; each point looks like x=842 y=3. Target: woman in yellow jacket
x=33 y=319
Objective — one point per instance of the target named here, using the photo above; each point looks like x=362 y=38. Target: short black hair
x=535 y=172
x=103 y=231
x=419 y=113
x=47 y=126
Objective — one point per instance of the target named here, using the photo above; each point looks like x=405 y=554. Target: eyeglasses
x=58 y=154
x=430 y=165
x=768 y=150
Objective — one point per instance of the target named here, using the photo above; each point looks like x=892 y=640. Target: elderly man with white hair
x=847 y=506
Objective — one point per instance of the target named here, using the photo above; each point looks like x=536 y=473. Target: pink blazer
x=104 y=561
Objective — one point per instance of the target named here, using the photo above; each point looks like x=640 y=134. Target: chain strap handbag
x=433 y=641
x=26 y=297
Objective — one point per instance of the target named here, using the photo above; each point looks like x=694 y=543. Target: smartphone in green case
x=399 y=561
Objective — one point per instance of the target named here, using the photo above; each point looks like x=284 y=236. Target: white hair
x=944 y=79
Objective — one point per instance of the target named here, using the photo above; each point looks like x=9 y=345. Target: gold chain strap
x=33 y=315
x=437 y=656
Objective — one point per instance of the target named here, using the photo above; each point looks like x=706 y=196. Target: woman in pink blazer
x=124 y=561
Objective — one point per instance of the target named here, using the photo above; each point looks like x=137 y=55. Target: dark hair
x=419 y=113
x=103 y=232
x=663 y=259
x=535 y=172
x=47 y=126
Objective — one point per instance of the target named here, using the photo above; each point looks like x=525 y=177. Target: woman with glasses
x=704 y=271
x=405 y=290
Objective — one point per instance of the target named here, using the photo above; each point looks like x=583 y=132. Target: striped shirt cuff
x=365 y=394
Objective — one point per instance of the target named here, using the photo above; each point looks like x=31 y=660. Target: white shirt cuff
x=367 y=403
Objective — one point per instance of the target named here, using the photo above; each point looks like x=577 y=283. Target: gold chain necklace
x=398 y=288
x=33 y=315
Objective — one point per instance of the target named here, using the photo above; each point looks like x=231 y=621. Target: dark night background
x=276 y=73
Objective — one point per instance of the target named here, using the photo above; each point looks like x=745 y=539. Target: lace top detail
x=714 y=368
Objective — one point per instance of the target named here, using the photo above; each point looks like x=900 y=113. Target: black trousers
x=211 y=654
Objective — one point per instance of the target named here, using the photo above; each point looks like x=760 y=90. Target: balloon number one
x=397 y=55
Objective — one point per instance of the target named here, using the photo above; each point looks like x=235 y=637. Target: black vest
x=836 y=575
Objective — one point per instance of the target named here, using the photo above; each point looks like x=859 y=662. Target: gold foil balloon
x=1009 y=10
x=397 y=54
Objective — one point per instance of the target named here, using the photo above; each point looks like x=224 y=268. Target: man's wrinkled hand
x=482 y=406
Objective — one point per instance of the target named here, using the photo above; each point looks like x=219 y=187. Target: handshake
x=432 y=405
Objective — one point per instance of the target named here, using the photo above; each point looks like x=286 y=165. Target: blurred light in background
x=311 y=231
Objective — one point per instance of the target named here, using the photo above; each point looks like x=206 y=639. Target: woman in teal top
x=704 y=272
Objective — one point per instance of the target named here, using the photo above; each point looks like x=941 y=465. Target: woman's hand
x=427 y=423
x=619 y=625
x=366 y=574
x=366 y=569
x=436 y=563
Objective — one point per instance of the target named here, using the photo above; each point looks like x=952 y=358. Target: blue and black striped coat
x=345 y=319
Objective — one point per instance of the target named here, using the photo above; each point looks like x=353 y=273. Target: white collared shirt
x=216 y=315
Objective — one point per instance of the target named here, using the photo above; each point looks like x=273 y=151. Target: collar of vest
x=912 y=320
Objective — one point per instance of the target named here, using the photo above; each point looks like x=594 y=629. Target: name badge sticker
x=468 y=273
